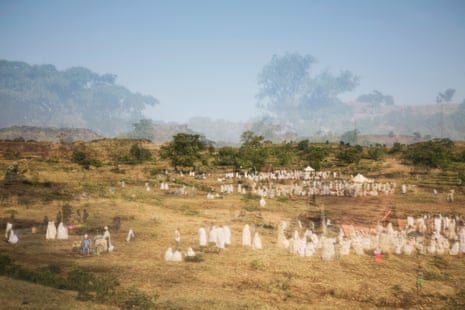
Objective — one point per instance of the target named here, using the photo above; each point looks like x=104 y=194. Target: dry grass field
x=236 y=278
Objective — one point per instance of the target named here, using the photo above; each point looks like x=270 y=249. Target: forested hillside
x=41 y=95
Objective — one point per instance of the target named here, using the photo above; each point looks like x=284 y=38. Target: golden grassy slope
x=237 y=278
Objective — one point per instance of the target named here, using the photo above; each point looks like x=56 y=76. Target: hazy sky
x=202 y=58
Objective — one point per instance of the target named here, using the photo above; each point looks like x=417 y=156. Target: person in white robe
x=462 y=239
x=202 y=237
x=295 y=236
x=131 y=236
x=219 y=238
x=227 y=235
x=454 y=249
x=316 y=241
x=51 y=231
x=62 y=232
x=300 y=246
x=177 y=256
x=9 y=226
x=328 y=250
x=282 y=240
x=12 y=238
x=408 y=249
x=308 y=235
x=345 y=247
x=432 y=247
x=257 y=241
x=168 y=254
x=212 y=234
x=309 y=249
x=190 y=252
x=262 y=202
x=106 y=235
x=246 y=237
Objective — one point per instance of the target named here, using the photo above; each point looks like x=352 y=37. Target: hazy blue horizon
x=202 y=58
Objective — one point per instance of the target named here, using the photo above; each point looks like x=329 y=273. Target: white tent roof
x=308 y=168
x=360 y=179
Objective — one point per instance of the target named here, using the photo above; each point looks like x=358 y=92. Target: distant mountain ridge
x=47 y=134
x=37 y=101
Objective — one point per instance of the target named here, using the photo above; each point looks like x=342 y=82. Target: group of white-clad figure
x=61 y=233
x=218 y=236
x=54 y=232
x=306 y=188
x=305 y=183
x=425 y=236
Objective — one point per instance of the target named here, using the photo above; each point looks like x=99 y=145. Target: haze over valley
x=288 y=71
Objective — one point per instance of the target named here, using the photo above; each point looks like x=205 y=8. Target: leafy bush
x=6 y=265
x=134 y=298
x=88 y=285
x=437 y=153
x=80 y=158
x=350 y=154
x=140 y=154
x=375 y=153
x=11 y=155
x=436 y=276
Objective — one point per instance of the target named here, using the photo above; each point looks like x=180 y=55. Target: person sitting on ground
x=190 y=252
x=12 y=237
x=177 y=256
x=169 y=254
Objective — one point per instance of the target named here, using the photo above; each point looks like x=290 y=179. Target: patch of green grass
x=436 y=276
x=88 y=285
x=457 y=301
x=257 y=265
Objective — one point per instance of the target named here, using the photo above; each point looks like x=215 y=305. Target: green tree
x=396 y=148
x=81 y=158
x=286 y=153
x=312 y=155
x=184 y=151
x=252 y=152
x=436 y=153
x=140 y=154
x=350 y=154
x=376 y=153
x=228 y=156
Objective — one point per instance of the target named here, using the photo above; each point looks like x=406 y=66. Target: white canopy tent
x=309 y=169
x=359 y=178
